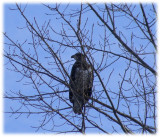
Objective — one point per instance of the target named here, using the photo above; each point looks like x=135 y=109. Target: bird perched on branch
x=81 y=83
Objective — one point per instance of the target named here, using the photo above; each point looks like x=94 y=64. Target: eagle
x=81 y=83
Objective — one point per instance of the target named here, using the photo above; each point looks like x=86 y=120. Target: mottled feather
x=81 y=83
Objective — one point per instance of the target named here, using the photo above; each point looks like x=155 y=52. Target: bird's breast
x=81 y=78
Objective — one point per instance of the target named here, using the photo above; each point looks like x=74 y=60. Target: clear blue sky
x=12 y=20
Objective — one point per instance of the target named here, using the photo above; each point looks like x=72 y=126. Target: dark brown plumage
x=81 y=83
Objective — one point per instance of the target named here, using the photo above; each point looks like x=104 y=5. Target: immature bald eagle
x=81 y=83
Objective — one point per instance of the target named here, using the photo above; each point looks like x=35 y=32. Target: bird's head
x=78 y=57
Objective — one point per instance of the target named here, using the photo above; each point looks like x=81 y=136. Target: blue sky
x=12 y=22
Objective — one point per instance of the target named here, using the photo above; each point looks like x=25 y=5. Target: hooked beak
x=72 y=56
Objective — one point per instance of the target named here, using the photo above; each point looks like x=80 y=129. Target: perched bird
x=81 y=83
